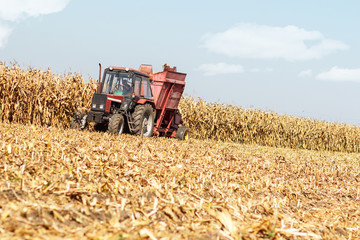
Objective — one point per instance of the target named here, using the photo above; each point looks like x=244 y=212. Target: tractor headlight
x=94 y=105
x=101 y=106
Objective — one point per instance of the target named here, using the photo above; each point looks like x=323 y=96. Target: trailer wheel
x=183 y=133
x=116 y=124
x=78 y=120
x=143 y=117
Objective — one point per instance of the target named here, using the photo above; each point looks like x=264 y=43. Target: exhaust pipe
x=99 y=84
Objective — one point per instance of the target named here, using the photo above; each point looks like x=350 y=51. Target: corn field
x=38 y=97
x=232 y=123
x=43 y=98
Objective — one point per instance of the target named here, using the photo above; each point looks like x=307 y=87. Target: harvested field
x=57 y=184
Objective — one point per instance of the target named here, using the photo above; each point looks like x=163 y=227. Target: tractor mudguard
x=142 y=101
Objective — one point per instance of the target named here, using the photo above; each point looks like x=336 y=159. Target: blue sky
x=292 y=57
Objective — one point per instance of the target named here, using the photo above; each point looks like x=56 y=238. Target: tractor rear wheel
x=78 y=120
x=183 y=133
x=116 y=124
x=143 y=120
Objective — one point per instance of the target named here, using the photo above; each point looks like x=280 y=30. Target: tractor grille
x=98 y=102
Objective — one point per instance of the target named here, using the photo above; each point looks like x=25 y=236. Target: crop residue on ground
x=57 y=183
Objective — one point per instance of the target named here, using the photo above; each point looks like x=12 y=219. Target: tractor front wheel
x=183 y=133
x=143 y=118
x=78 y=120
x=116 y=124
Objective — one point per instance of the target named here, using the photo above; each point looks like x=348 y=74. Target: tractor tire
x=78 y=120
x=116 y=124
x=183 y=133
x=143 y=120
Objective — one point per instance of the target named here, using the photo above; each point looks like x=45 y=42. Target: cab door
x=142 y=87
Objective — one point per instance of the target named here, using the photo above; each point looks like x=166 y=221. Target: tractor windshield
x=118 y=83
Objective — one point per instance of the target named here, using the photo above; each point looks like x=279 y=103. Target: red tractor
x=138 y=102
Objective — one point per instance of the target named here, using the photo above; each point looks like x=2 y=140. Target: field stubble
x=57 y=183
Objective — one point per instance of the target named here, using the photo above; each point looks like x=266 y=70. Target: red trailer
x=138 y=102
x=168 y=87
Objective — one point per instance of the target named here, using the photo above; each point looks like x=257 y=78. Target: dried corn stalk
x=232 y=123
x=38 y=97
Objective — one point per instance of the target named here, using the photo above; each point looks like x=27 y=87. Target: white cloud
x=220 y=68
x=16 y=10
x=4 y=34
x=305 y=73
x=267 y=42
x=340 y=74
x=12 y=10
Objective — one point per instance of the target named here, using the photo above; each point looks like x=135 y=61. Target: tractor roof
x=128 y=69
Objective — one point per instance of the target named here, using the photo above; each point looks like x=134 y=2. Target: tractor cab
x=117 y=83
x=119 y=89
x=126 y=82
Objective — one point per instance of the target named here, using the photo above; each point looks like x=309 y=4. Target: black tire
x=116 y=124
x=143 y=117
x=183 y=133
x=78 y=120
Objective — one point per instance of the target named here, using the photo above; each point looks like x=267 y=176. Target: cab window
x=137 y=86
x=142 y=87
x=145 y=88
